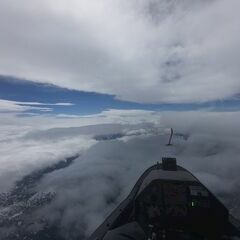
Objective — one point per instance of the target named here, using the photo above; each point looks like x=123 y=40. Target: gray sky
x=143 y=51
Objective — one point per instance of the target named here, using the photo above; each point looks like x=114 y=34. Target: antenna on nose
x=170 y=138
x=169 y=163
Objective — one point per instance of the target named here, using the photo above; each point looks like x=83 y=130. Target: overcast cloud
x=143 y=51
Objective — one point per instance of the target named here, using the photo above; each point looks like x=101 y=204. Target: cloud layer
x=143 y=51
x=87 y=190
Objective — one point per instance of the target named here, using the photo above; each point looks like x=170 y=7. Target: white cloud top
x=16 y=106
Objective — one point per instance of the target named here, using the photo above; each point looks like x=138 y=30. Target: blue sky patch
x=56 y=100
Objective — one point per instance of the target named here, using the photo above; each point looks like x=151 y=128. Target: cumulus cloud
x=143 y=51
